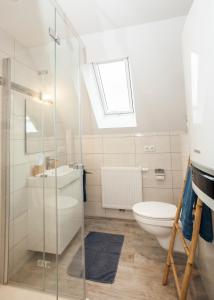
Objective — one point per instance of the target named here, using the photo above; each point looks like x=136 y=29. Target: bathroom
x=105 y=110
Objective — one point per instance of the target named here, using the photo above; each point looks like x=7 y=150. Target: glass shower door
x=69 y=195
x=33 y=200
x=42 y=153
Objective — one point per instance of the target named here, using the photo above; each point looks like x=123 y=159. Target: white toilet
x=157 y=218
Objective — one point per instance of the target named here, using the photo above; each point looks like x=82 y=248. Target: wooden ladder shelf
x=182 y=288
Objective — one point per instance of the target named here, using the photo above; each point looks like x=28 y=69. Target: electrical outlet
x=151 y=148
x=146 y=148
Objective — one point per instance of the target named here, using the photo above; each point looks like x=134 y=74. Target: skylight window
x=114 y=85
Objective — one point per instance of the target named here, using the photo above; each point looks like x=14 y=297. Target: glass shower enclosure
x=41 y=171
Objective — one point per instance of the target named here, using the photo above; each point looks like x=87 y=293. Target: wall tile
x=185 y=144
x=94 y=194
x=118 y=145
x=157 y=194
x=18 y=152
x=70 y=158
x=176 y=195
x=19 y=176
x=77 y=144
x=161 y=143
x=92 y=145
x=175 y=142
x=62 y=159
x=149 y=180
x=18 y=127
x=60 y=132
x=92 y=161
x=119 y=160
x=185 y=160
x=94 y=178
x=153 y=161
x=35 y=145
x=177 y=179
x=177 y=161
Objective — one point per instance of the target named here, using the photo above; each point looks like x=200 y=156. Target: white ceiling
x=89 y=16
x=28 y=20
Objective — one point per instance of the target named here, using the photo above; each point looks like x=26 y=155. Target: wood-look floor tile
x=139 y=273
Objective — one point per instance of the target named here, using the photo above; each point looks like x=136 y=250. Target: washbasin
x=64 y=175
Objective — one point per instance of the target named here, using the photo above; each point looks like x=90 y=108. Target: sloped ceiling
x=89 y=16
x=155 y=55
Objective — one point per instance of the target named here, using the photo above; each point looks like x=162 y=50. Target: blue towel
x=206 y=229
x=189 y=202
x=189 y=199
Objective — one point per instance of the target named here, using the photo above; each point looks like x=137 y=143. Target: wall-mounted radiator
x=121 y=187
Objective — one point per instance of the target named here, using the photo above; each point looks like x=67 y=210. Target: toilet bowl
x=157 y=218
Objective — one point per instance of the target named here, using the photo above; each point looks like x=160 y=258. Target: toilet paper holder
x=160 y=174
x=159 y=171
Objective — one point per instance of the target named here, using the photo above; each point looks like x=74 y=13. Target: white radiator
x=121 y=187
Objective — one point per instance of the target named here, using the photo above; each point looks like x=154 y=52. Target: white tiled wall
x=129 y=150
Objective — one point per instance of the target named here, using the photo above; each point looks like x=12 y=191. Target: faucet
x=48 y=162
x=75 y=166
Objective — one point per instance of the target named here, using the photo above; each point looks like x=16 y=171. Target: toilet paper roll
x=160 y=177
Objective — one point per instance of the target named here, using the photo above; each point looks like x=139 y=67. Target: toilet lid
x=155 y=210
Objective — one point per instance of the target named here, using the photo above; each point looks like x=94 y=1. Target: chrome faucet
x=75 y=166
x=48 y=162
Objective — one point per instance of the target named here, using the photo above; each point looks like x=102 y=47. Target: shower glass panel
x=43 y=197
x=32 y=227
x=70 y=202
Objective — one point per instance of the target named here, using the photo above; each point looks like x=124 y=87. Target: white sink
x=63 y=175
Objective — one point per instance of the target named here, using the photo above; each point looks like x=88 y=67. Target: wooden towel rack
x=182 y=284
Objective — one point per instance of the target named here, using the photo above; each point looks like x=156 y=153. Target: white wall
x=155 y=55
x=198 y=38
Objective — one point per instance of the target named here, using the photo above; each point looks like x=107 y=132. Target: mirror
x=39 y=126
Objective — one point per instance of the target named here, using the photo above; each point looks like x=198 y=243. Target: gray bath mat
x=102 y=254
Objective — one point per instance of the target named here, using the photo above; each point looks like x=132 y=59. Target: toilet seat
x=155 y=213
x=155 y=210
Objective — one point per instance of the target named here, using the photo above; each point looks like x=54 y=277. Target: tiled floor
x=139 y=272
x=34 y=277
x=140 y=268
x=14 y=293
